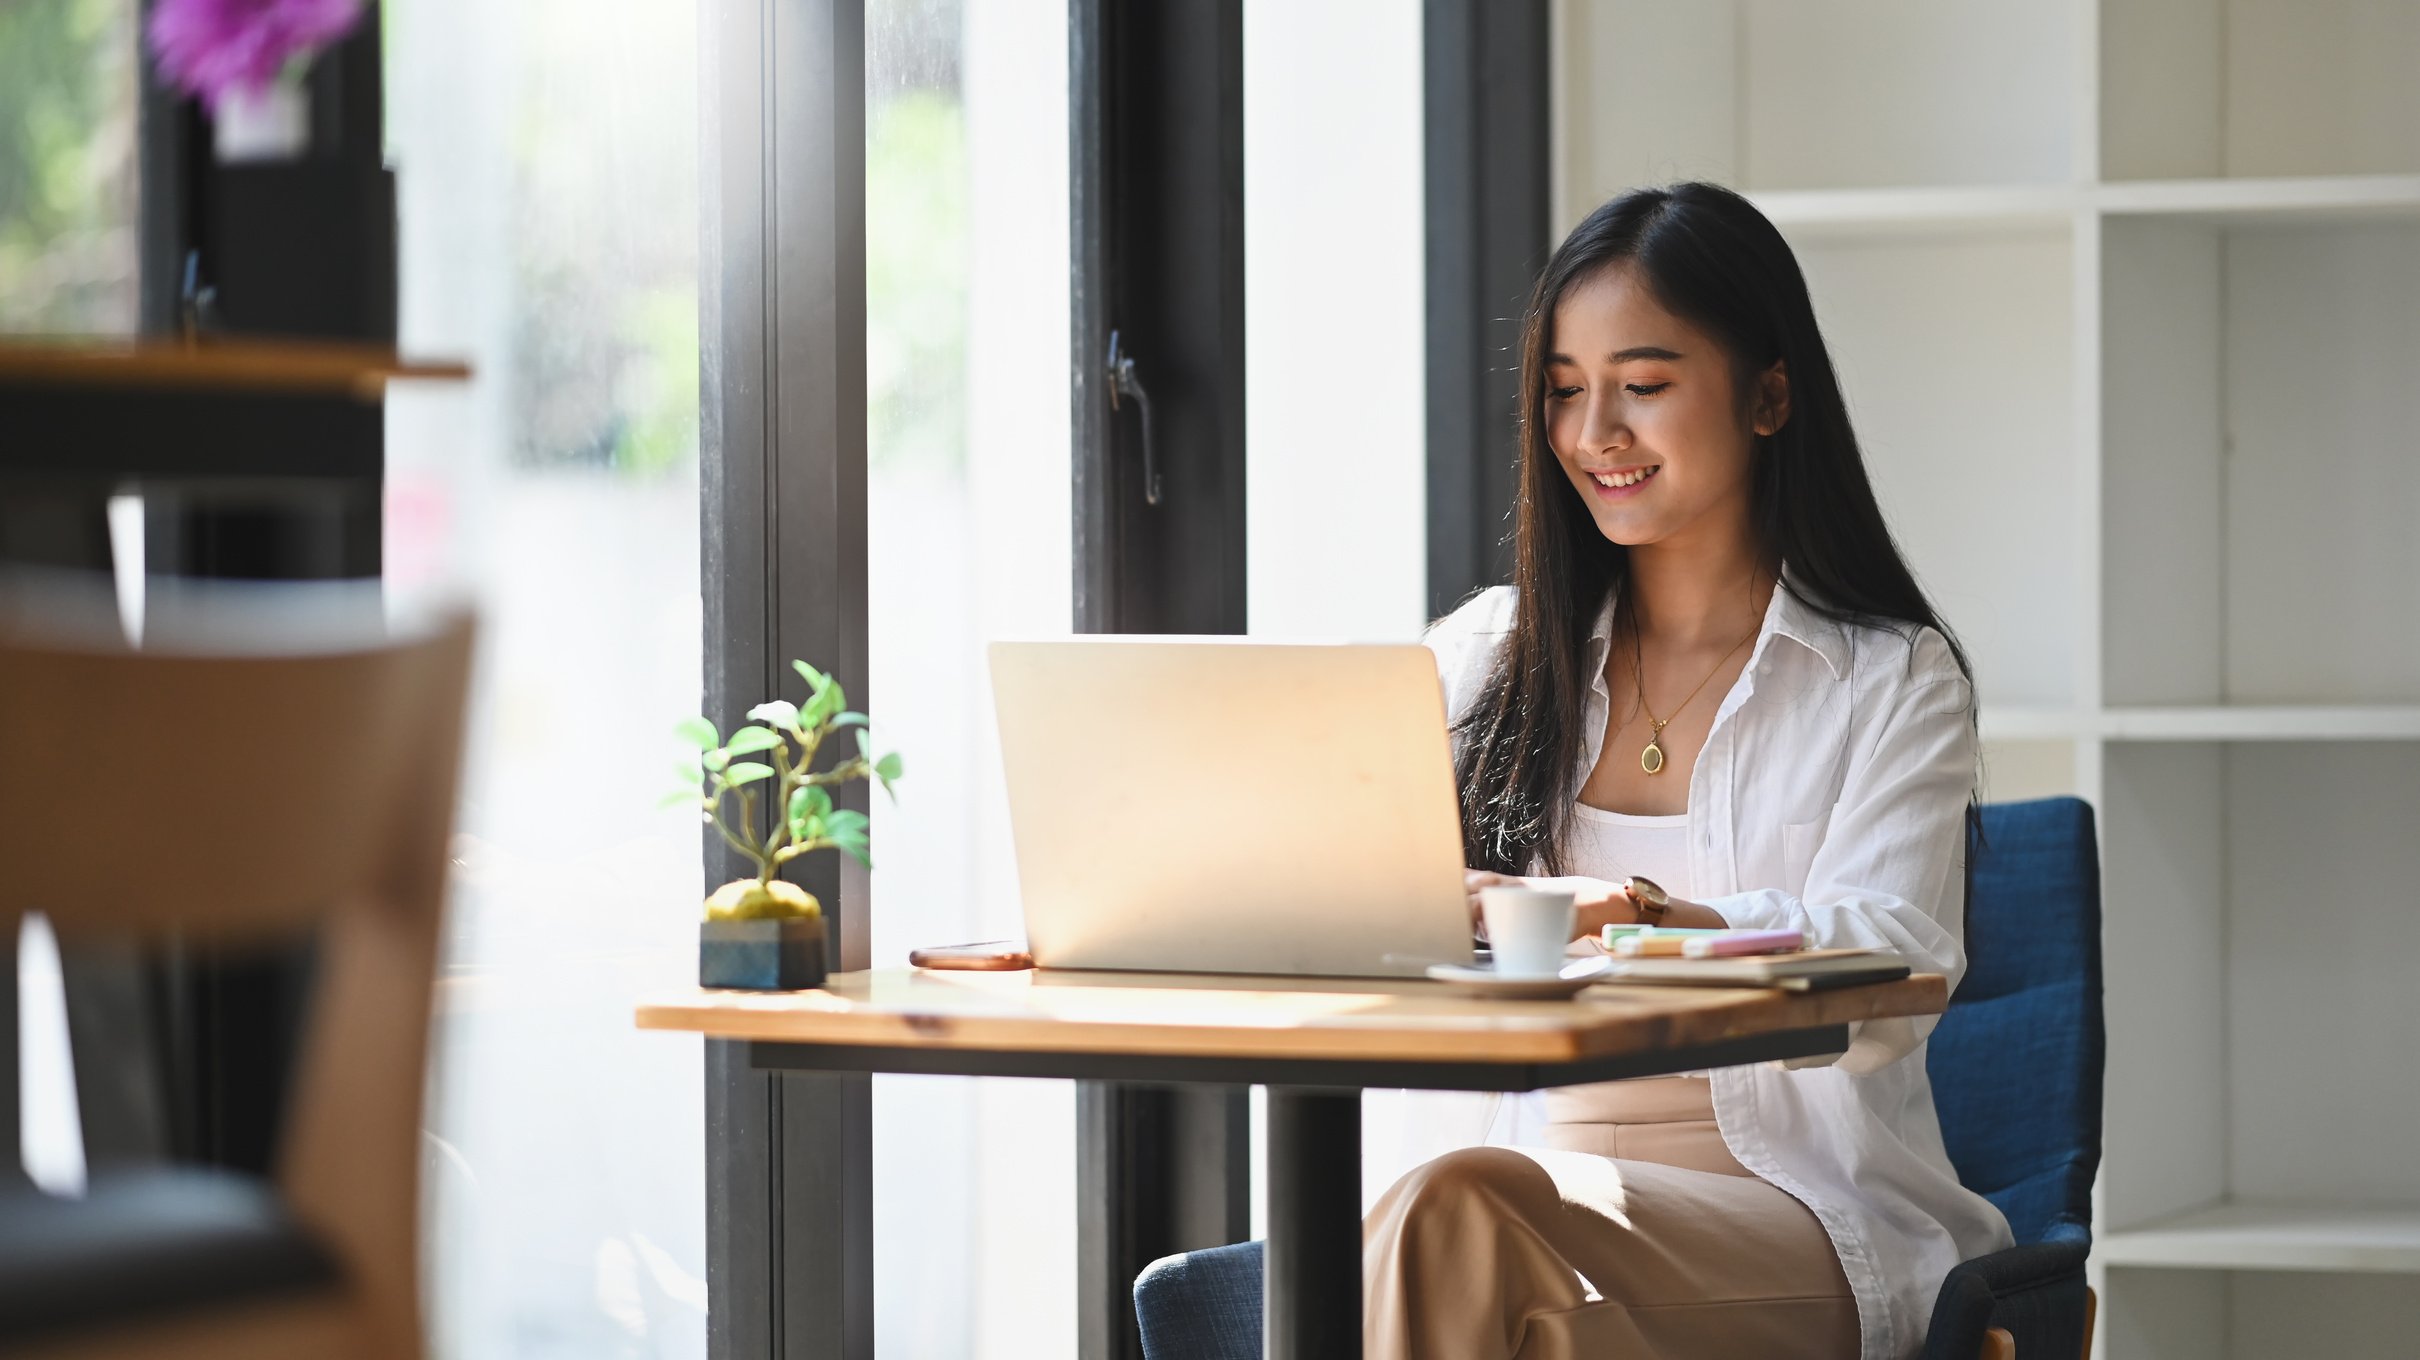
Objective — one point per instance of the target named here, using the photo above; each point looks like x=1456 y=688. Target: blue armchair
x=2016 y=1069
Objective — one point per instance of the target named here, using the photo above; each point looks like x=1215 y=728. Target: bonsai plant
x=764 y=932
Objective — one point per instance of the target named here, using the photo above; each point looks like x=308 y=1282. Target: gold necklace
x=1652 y=758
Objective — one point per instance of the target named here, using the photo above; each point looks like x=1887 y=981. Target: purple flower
x=210 y=47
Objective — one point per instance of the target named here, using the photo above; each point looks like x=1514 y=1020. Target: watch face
x=1647 y=890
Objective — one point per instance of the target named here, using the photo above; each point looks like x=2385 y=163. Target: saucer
x=1486 y=981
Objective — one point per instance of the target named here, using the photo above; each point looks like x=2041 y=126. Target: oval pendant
x=1652 y=759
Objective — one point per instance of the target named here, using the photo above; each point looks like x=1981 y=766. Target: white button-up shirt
x=1830 y=797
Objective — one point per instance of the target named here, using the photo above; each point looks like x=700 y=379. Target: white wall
x=1335 y=419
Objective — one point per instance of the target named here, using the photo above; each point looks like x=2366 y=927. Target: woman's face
x=1643 y=412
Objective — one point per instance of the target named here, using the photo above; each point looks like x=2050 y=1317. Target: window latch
x=1124 y=383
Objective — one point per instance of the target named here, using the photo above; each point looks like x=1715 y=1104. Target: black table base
x=1311 y=1289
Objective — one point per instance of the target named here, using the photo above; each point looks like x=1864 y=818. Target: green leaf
x=751 y=739
x=850 y=831
x=779 y=712
x=823 y=703
x=815 y=679
x=808 y=805
x=849 y=719
x=678 y=797
x=716 y=760
x=697 y=732
x=865 y=744
x=686 y=768
x=747 y=772
x=889 y=768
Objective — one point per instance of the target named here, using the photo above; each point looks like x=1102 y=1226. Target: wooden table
x=1314 y=1042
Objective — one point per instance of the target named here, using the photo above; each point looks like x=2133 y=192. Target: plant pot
x=765 y=956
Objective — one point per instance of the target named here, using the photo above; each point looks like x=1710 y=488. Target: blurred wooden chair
x=237 y=799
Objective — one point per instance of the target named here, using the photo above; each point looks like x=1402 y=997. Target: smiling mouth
x=1615 y=480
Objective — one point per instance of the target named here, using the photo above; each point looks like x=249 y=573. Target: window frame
x=1487 y=160
x=782 y=488
x=1156 y=144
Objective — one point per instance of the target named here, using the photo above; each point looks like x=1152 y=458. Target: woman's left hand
x=1595 y=903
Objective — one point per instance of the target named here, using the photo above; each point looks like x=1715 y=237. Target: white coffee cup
x=1526 y=929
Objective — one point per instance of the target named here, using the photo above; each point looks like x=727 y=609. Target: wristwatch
x=1652 y=900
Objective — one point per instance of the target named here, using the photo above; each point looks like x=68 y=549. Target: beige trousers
x=1635 y=1236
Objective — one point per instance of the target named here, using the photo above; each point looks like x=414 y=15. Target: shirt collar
x=1785 y=616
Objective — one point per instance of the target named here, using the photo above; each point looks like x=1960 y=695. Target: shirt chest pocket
x=1799 y=842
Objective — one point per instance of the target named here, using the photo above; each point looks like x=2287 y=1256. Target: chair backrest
x=265 y=796
x=2016 y=1062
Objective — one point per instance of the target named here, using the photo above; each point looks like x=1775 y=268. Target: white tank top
x=1615 y=845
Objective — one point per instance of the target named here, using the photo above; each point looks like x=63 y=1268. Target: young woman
x=1713 y=696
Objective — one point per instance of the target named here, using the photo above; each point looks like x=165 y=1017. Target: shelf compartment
x=2274 y=1236
x=1966 y=430
x=2165 y=1313
x=1813 y=94
x=2258 y=88
x=2259 y=484
x=2258 y=938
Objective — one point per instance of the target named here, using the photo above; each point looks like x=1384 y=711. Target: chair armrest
x=2035 y=1291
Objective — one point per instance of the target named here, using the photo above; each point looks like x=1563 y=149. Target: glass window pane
x=1332 y=172
x=968 y=507
x=546 y=154
x=67 y=167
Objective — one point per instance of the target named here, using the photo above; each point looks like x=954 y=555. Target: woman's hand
x=1595 y=903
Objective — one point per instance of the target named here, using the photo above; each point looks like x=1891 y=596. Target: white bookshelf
x=2126 y=300
x=2268 y=1237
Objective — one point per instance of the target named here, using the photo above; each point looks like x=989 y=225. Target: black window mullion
x=1487 y=180
x=783 y=540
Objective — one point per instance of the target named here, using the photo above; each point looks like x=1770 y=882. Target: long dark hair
x=1714 y=261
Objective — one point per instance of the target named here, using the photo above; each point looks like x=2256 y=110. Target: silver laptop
x=1225 y=806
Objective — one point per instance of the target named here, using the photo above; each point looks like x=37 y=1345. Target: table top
x=324 y=367
x=1183 y=1015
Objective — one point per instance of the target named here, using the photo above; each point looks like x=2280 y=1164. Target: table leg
x=1312 y=1286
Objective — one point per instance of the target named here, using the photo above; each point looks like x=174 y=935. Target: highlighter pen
x=1648 y=946
x=1651 y=942
x=1613 y=935
x=1732 y=943
x=1663 y=942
